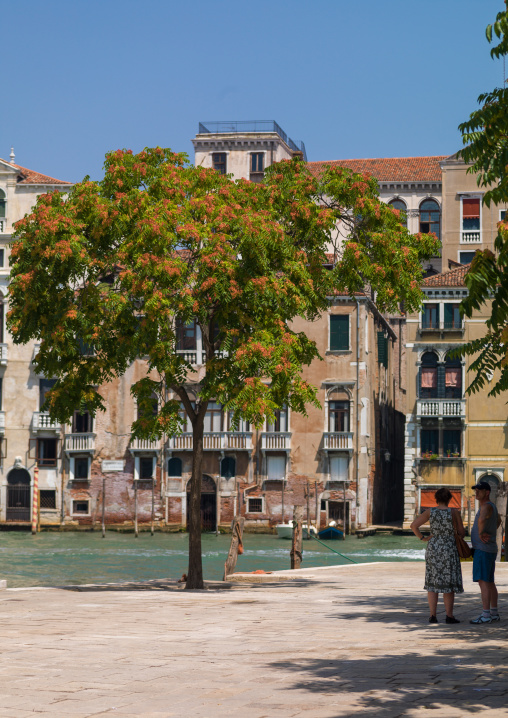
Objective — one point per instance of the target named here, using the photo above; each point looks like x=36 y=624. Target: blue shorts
x=484 y=565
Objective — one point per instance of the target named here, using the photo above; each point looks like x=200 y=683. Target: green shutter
x=382 y=349
x=339 y=332
x=448 y=316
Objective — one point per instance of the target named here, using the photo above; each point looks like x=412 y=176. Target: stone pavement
x=339 y=641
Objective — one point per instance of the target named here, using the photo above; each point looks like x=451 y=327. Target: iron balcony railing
x=41 y=421
x=338 y=440
x=441 y=407
x=228 y=126
x=80 y=443
x=213 y=441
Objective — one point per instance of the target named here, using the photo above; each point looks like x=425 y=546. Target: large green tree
x=485 y=136
x=118 y=264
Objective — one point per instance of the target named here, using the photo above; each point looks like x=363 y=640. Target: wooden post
x=345 y=509
x=103 y=506
x=469 y=515
x=501 y=498
x=282 y=501
x=153 y=505
x=217 y=506
x=318 y=514
x=35 y=500
x=136 y=534
x=296 y=548
x=308 y=512
x=236 y=546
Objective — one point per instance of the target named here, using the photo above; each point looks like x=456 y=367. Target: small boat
x=285 y=531
x=330 y=533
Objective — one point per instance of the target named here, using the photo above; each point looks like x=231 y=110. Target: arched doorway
x=18 y=495
x=208 y=503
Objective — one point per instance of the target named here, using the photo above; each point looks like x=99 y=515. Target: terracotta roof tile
x=27 y=176
x=454 y=278
x=390 y=169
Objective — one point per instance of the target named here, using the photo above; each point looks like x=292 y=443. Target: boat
x=285 y=531
x=331 y=533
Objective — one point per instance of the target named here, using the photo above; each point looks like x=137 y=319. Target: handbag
x=463 y=548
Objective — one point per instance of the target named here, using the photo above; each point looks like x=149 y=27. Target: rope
x=331 y=549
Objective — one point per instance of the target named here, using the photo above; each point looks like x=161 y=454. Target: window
x=1 y=322
x=213 y=417
x=382 y=349
x=243 y=424
x=82 y=423
x=471 y=219
x=453 y=378
x=339 y=332
x=429 y=442
x=219 y=162
x=151 y=410
x=46 y=452
x=81 y=468
x=452 y=318
x=85 y=349
x=428 y=376
x=276 y=468
x=3 y=204
x=146 y=467
x=254 y=506
x=175 y=467
x=452 y=442
x=430 y=316
x=47 y=499
x=466 y=257
x=502 y=215
x=80 y=507
x=187 y=424
x=430 y=217
x=402 y=208
x=185 y=336
x=339 y=468
x=1 y=393
x=228 y=467
x=338 y=416
x=280 y=423
x=257 y=166
x=2 y=257
x=44 y=386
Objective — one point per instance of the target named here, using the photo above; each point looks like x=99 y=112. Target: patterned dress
x=442 y=563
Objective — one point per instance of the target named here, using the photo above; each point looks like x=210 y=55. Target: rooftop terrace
x=241 y=126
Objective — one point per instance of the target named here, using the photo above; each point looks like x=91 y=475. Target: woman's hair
x=443 y=496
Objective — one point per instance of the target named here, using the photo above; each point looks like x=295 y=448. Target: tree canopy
x=106 y=275
x=485 y=136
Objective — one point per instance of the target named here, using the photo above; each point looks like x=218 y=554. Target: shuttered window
x=339 y=332
x=382 y=349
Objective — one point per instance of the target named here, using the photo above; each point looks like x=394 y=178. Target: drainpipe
x=357 y=468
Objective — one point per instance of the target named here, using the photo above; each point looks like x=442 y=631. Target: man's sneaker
x=495 y=618
x=481 y=619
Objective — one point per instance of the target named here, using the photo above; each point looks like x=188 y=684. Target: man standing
x=483 y=538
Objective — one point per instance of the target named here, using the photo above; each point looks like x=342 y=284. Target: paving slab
x=333 y=642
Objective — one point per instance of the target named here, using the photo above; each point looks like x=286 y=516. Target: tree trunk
x=195 y=572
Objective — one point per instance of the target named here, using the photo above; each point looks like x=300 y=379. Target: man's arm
x=485 y=514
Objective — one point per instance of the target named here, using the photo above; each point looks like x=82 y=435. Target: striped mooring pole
x=35 y=500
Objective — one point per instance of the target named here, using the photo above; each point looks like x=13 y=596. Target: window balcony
x=41 y=421
x=2 y=423
x=213 y=441
x=338 y=441
x=276 y=441
x=79 y=443
x=449 y=408
x=144 y=446
x=3 y=225
x=188 y=355
x=3 y=354
x=471 y=236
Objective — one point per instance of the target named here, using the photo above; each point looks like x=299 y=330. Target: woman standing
x=443 y=573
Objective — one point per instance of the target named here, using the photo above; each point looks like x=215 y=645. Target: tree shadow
x=467 y=676
x=173 y=585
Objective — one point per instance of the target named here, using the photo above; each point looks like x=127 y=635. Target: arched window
x=175 y=467
x=402 y=207
x=338 y=411
x=428 y=376
x=453 y=378
x=228 y=467
x=430 y=217
x=3 y=204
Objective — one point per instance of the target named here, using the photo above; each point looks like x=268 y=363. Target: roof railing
x=226 y=126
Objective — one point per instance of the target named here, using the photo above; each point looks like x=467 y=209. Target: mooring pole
x=308 y=512
x=135 y=508
x=35 y=501
x=282 y=501
x=103 y=506
x=153 y=505
x=317 y=507
x=345 y=507
x=296 y=547
x=236 y=546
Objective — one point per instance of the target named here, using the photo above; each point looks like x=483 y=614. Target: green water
x=56 y=559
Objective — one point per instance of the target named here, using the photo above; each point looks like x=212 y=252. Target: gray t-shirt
x=490 y=528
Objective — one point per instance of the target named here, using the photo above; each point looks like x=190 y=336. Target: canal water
x=57 y=559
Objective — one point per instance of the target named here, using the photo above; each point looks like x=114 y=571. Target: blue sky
x=351 y=78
